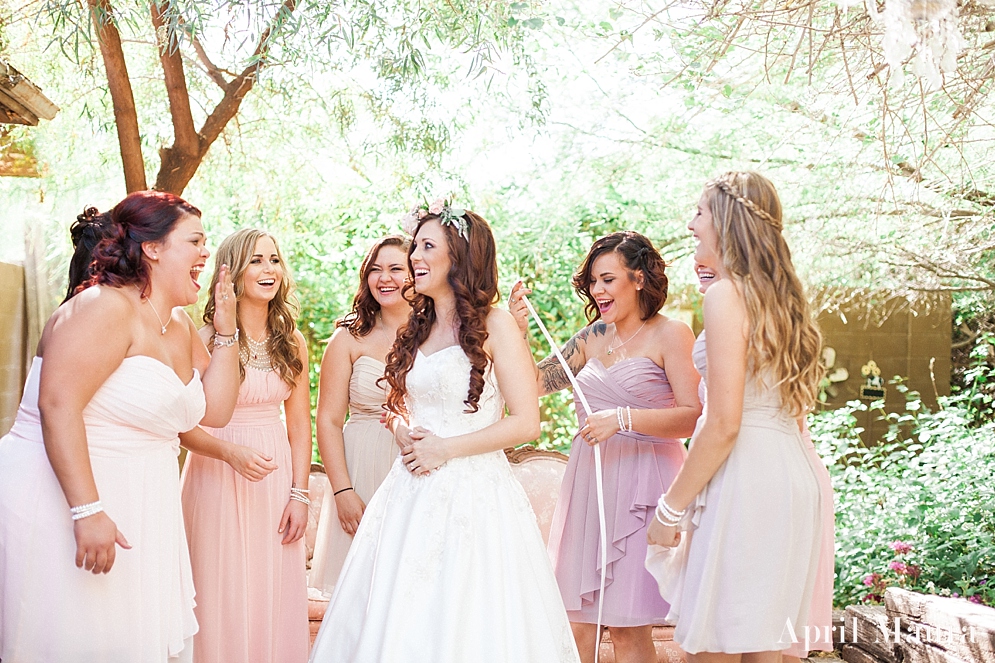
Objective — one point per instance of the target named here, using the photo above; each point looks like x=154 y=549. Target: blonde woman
x=245 y=537
x=359 y=453
x=748 y=488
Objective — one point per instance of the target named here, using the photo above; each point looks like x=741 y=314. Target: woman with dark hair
x=448 y=564
x=357 y=454
x=245 y=536
x=90 y=464
x=634 y=365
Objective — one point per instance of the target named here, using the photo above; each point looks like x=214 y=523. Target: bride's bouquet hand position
x=425 y=453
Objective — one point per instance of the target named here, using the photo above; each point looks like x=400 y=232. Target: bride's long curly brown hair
x=473 y=276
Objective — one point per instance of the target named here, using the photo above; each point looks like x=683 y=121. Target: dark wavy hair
x=473 y=276
x=638 y=255
x=361 y=320
x=144 y=216
x=86 y=232
x=236 y=251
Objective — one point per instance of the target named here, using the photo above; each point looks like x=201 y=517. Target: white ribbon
x=597 y=471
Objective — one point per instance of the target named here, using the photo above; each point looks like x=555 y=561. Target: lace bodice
x=437 y=386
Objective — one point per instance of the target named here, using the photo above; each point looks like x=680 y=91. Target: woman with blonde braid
x=748 y=488
x=245 y=536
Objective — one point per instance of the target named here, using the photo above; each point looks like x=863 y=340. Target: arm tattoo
x=553 y=377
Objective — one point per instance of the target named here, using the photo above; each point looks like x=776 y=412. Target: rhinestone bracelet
x=230 y=339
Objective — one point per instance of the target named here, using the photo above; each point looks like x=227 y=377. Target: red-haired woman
x=90 y=465
x=448 y=563
x=634 y=365
x=358 y=453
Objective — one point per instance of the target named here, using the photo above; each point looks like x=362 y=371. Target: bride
x=448 y=564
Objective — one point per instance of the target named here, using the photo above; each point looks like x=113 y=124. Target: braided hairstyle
x=86 y=232
x=144 y=216
x=784 y=342
x=638 y=255
x=473 y=276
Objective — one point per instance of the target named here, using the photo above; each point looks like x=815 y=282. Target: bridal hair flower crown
x=448 y=216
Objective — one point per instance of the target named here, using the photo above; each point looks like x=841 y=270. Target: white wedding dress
x=449 y=567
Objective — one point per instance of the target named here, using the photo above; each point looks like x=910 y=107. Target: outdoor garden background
x=560 y=122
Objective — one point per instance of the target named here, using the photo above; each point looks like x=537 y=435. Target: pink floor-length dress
x=251 y=588
x=142 y=611
x=820 y=615
x=637 y=469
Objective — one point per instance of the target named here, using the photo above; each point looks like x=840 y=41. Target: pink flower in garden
x=974 y=599
x=898 y=567
x=913 y=571
x=900 y=547
x=872 y=579
x=436 y=207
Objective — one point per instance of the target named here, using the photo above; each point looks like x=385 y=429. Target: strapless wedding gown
x=449 y=567
x=142 y=610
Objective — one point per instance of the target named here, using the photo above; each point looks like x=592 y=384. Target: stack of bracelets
x=666 y=515
x=86 y=510
x=299 y=494
x=622 y=418
x=229 y=339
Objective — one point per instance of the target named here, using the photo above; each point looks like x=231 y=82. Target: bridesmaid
x=245 y=537
x=749 y=487
x=357 y=454
x=635 y=367
x=93 y=558
x=820 y=616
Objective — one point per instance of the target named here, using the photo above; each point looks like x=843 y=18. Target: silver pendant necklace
x=162 y=327
x=612 y=347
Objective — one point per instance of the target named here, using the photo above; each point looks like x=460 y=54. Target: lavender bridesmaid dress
x=637 y=470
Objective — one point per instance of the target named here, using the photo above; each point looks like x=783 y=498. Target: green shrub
x=918 y=509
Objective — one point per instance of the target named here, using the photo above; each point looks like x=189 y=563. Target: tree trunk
x=179 y=161
x=125 y=114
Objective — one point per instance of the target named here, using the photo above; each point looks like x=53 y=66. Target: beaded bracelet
x=665 y=520
x=86 y=510
x=622 y=426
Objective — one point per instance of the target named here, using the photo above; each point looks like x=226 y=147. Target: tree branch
x=122 y=96
x=185 y=139
x=175 y=172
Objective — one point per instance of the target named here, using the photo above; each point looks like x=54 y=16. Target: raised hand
x=224 y=303
x=351 y=508
x=517 y=307
x=96 y=537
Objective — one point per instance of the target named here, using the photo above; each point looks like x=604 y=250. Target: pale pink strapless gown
x=820 y=613
x=142 y=610
x=251 y=588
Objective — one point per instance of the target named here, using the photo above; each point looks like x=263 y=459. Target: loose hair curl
x=361 y=320
x=144 y=216
x=473 y=276
x=638 y=255
x=784 y=341
x=236 y=251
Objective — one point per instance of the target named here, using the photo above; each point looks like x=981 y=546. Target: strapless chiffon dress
x=369 y=454
x=755 y=536
x=449 y=567
x=821 y=609
x=251 y=588
x=637 y=469
x=142 y=610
